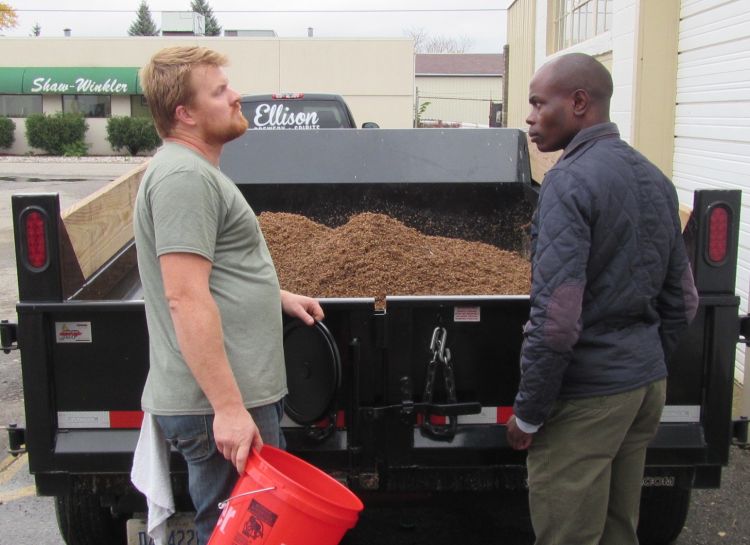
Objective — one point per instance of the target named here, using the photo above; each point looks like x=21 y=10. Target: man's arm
x=197 y=325
x=562 y=240
x=677 y=303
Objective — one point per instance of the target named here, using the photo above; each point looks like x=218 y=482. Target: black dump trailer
x=403 y=404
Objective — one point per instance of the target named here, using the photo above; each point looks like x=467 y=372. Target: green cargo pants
x=586 y=467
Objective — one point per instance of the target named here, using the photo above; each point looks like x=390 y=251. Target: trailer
x=406 y=403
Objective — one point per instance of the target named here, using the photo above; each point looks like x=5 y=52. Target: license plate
x=180 y=531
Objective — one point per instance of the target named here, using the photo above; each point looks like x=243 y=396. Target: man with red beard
x=213 y=303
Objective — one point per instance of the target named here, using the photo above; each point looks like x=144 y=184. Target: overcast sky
x=483 y=22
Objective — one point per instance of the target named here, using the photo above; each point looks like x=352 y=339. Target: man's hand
x=235 y=433
x=518 y=439
x=306 y=309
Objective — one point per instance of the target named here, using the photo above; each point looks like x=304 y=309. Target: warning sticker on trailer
x=73 y=332
x=466 y=314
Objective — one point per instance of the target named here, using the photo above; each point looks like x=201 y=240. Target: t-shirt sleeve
x=186 y=209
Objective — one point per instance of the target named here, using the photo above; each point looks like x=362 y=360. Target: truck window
x=295 y=114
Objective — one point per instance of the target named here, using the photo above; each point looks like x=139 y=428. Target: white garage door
x=712 y=124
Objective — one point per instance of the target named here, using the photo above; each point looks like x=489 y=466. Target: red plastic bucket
x=282 y=499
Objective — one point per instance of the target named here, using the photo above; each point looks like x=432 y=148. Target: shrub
x=7 y=132
x=75 y=149
x=53 y=132
x=132 y=133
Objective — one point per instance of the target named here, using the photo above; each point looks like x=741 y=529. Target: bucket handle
x=224 y=503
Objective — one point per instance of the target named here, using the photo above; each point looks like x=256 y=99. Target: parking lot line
x=8 y=470
x=7 y=461
x=25 y=492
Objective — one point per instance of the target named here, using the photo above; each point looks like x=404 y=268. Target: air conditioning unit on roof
x=181 y=23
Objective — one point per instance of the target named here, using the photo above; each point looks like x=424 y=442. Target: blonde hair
x=166 y=81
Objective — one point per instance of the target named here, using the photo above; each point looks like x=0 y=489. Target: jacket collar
x=589 y=134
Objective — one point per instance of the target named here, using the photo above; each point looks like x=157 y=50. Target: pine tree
x=143 y=25
x=212 y=25
x=36 y=30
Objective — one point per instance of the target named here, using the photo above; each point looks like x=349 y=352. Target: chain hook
x=437 y=345
x=441 y=357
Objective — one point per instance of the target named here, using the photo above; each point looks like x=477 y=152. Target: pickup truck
x=300 y=111
x=403 y=404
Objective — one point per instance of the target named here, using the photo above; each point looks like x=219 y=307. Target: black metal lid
x=313 y=370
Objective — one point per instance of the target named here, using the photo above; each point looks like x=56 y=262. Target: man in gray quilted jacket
x=611 y=292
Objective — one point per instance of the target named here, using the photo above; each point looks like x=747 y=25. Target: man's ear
x=182 y=115
x=581 y=102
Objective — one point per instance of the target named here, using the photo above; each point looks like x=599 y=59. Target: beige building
x=98 y=76
x=681 y=72
x=464 y=89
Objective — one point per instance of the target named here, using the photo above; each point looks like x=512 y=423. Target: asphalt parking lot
x=716 y=516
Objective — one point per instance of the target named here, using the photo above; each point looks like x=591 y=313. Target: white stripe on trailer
x=82 y=419
x=492 y=415
x=488 y=415
x=681 y=413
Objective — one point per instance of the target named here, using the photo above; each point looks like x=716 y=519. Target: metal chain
x=441 y=357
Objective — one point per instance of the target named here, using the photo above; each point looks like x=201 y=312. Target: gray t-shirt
x=185 y=204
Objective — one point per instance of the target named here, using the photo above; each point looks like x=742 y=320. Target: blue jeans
x=211 y=477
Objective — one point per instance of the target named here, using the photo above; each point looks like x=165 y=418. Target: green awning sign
x=71 y=80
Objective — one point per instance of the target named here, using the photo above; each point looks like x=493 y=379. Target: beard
x=226 y=133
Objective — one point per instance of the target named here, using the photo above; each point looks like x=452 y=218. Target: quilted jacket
x=612 y=287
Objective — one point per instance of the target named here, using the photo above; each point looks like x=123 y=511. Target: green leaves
x=53 y=133
x=132 y=133
x=7 y=132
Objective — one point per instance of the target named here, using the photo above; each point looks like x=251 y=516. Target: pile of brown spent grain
x=374 y=255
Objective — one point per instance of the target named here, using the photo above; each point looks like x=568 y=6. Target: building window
x=139 y=106
x=20 y=105
x=88 y=105
x=575 y=21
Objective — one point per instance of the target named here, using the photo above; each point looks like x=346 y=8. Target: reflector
x=718 y=234
x=36 y=239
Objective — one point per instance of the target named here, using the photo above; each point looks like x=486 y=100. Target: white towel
x=150 y=475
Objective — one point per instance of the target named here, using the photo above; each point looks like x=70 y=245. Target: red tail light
x=718 y=234
x=35 y=230
x=288 y=96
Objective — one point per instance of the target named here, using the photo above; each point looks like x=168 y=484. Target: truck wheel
x=83 y=521
x=663 y=514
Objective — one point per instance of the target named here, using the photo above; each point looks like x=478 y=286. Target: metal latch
x=451 y=408
x=408 y=409
x=8 y=336
x=441 y=359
